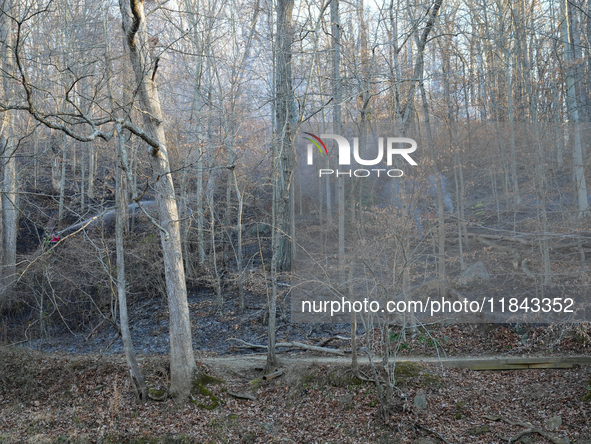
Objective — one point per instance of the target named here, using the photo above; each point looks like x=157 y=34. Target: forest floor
x=88 y=398
x=65 y=393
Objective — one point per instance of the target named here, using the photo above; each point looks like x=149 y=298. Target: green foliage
x=429 y=341
x=156 y=393
x=203 y=391
x=410 y=373
x=256 y=383
x=200 y=389
x=478 y=209
x=430 y=380
x=460 y=409
x=407 y=369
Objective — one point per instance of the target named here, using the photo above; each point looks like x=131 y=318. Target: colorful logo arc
x=316 y=143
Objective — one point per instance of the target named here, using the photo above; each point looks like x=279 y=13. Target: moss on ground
x=200 y=389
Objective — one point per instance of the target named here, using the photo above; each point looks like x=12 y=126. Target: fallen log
x=486 y=241
x=334 y=351
x=503 y=238
x=486 y=238
x=332 y=338
x=273 y=375
x=244 y=344
x=247 y=396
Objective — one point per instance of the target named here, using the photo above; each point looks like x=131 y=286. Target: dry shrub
x=73 y=284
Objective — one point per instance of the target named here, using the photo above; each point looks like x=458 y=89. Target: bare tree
x=182 y=362
x=283 y=161
x=120 y=190
x=8 y=148
x=573 y=111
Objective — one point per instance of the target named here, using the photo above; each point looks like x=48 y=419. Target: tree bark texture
x=7 y=159
x=136 y=374
x=182 y=362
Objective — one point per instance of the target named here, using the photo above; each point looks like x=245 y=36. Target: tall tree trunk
x=579 y=67
x=541 y=170
x=283 y=162
x=214 y=258
x=354 y=360
x=62 y=180
x=182 y=362
x=453 y=131
x=573 y=111
x=419 y=63
x=336 y=127
x=324 y=184
x=83 y=151
x=185 y=213
x=395 y=57
x=239 y=257
x=137 y=378
x=440 y=204
x=284 y=155
x=194 y=10
x=36 y=157
x=421 y=42
x=459 y=175
x=514 y=176
x=558 y=127
x=91 y=169
x=7 y=159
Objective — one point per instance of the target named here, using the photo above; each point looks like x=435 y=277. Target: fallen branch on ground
x=530 y=429
x=332 y=338
x=244 y=344
x=242 y=395
x=273 y=375
x=487 y=238
x=419 y=426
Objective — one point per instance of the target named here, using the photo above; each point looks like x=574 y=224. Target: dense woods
x=153 y=148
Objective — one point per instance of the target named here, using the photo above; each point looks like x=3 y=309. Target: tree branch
x=529 y=429
x=244 y=344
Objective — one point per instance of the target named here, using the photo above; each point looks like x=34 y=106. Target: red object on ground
x=54 y=239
